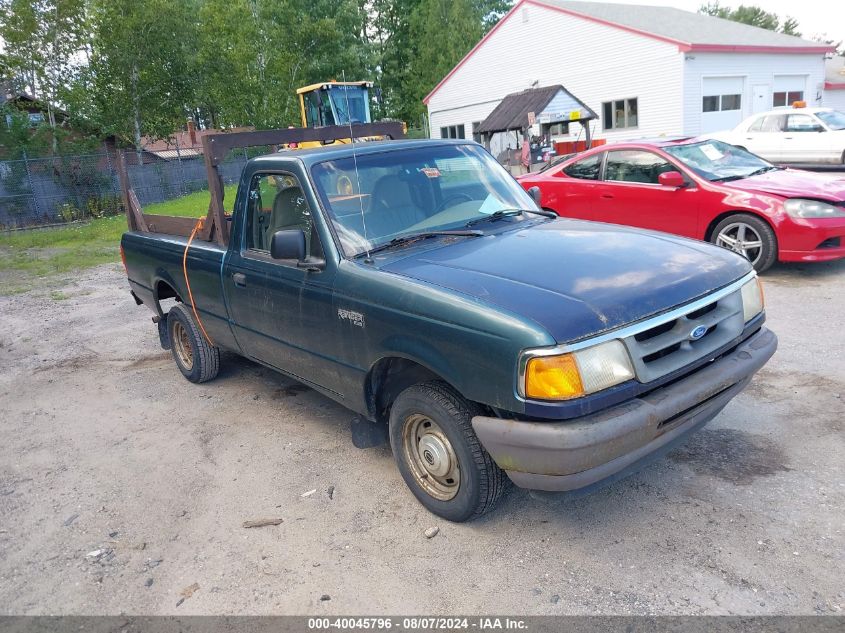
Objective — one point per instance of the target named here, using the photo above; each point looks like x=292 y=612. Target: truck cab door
x=280 y=311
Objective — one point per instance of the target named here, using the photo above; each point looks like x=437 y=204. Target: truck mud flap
x=163 y=335
x=368 y=434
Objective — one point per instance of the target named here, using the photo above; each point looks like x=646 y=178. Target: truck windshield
x=718 y=161
x=351 y=104
x=398 y=193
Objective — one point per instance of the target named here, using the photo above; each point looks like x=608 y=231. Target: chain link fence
x=45 y=191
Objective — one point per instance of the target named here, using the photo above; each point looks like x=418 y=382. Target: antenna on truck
x=355 y=162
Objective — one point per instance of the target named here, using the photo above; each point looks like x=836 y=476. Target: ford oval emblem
x=698 y=332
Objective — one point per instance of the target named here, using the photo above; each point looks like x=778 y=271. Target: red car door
x=630 y=193
x=570 y=191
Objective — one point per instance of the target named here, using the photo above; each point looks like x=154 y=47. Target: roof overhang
x=822 y=49
x=515 y=109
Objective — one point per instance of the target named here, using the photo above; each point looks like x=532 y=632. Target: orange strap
x=197 y=227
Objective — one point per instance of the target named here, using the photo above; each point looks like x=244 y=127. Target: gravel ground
x=123 y=488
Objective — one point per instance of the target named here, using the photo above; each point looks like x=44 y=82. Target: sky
x=815 y=17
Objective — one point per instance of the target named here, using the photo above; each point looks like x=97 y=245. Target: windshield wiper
x=413 y=237
x=756 y=172
x=506 y=213
x=729 y=178
x=762 y=170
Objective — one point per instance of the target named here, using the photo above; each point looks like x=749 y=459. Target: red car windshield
x=717 y=161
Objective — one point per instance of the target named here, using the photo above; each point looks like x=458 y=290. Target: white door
x=764 y=136
x=759 y=98
x=805 y=140
x=721 y=103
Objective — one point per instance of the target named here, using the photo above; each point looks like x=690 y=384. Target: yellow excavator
x=335 y=103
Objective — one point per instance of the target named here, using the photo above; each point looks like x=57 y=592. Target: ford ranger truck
x=417 y=284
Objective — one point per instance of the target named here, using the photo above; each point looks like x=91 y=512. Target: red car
x=704 y=189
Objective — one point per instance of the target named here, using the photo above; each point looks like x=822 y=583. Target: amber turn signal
x=553 y=378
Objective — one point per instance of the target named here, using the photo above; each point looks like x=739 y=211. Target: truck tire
x=438 y=454
x=749 y=236
x=195 y=357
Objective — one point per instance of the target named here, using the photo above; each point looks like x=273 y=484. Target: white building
x=647 y=71
x=834 y=84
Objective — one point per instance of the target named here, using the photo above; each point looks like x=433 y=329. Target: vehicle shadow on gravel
x=801 y=272
x=735 y=457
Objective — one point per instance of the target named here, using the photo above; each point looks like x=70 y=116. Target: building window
x=557 y=129
x=786 y=98
x=452 y=131
x=620 y=114
x=716 y=103
x=476 y=135
x=731 y=102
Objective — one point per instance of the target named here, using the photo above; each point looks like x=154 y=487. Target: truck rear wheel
x=439 y=455
x=198 y=360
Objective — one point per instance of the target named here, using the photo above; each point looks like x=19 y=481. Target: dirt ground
x=123 y=488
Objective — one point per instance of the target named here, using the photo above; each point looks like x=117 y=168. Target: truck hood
x=575 y=278
x=794 y=183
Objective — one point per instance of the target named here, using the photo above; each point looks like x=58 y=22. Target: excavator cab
x=335 y=103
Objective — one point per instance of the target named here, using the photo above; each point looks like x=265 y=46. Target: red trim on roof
x=472 y=52
x=728 y=48
x=829 y=85
x=683 y=47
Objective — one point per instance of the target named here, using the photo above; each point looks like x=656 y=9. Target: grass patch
x=193 y=205
x=58 y=295
x=27 y=255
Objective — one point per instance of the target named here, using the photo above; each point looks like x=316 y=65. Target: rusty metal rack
x=215 y=148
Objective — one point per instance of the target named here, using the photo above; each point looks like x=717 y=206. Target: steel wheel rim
x=430 y=457
x=742 y=238
x=182 y=346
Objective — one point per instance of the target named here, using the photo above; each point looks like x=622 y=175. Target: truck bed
x=154 y=267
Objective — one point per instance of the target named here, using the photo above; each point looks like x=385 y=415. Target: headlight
x=752 y=299
x=566 y=376
x=799 y=208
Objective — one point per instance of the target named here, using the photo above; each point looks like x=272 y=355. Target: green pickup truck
x=416 y=283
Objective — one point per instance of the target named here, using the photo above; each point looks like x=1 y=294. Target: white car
x=792 y=135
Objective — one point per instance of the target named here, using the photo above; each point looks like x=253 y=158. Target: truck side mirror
x=536 y=194
x=288 y=244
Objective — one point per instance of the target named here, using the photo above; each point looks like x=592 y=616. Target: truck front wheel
x=198 y=360
x=438 y=454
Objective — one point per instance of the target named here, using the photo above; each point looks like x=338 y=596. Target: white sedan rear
x=792 y=135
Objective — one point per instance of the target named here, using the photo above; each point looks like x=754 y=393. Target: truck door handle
x=239 y=279
x=607 y=195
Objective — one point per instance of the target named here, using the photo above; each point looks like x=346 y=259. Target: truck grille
x=663 y=347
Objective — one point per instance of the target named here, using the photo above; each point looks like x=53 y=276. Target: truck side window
x=277 y=202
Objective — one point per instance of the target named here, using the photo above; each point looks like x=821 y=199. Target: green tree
x=251 y=56
x=43 y=40
x=752 y=15
x=139 y=74
x=418 y=42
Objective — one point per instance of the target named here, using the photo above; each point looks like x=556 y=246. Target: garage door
x=721 y=103
x=788 y=89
